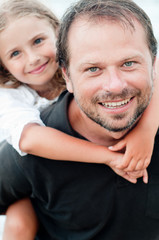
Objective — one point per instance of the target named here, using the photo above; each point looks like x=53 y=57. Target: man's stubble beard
x=143 y=100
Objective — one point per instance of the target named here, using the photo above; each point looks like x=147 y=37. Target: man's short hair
x=123 y=11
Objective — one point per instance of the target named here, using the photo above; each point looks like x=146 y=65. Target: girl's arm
x=52 y=144
x=140 y=141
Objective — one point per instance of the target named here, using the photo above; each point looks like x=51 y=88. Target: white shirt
x=18 y=107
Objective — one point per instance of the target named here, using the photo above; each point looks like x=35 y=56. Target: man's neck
x=89 y=129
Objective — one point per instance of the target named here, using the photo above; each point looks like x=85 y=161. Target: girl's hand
x=125 y=175
x=138 y=151
x=114 y=160
x=132 y=176
x=137 y=174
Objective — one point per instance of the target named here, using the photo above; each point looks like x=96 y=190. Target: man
x=106 y=50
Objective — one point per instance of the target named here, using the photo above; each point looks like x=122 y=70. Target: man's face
x=110 y=72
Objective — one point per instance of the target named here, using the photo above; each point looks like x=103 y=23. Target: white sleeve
x=17 y=108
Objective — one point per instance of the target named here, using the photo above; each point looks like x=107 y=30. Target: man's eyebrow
x=131 y=57
x=89 y=63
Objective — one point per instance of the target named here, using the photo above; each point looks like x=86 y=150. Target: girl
x=30 y=80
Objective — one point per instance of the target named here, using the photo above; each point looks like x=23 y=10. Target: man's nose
x=114 y=81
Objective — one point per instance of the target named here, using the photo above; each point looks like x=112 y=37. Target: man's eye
x=128 y=64
x=37 y=41
x=93 y=69
x=15 y=53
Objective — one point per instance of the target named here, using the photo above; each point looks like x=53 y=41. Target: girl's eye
x=128 y=64
x=93 y=69
x=37 y=41
x=15 y=53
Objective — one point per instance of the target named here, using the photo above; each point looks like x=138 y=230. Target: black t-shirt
x=80 y=201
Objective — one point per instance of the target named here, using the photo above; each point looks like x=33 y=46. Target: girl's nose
x=33 y=58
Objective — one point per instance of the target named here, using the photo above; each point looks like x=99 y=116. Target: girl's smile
x=39 y=69
x=28 y=50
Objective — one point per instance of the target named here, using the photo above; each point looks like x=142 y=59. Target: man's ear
x=67 y=80
x=156 y=68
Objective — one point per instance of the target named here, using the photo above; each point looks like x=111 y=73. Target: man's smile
x=117 y=104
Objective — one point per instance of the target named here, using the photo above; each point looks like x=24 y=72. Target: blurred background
x=151 y=7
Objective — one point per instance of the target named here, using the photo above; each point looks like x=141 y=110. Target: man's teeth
x=116 y=104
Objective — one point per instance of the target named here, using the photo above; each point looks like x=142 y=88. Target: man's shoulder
x=9 y=158
x=56 y=113
x=6 y=148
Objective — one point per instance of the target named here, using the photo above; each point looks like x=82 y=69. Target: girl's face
x=28 y=51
